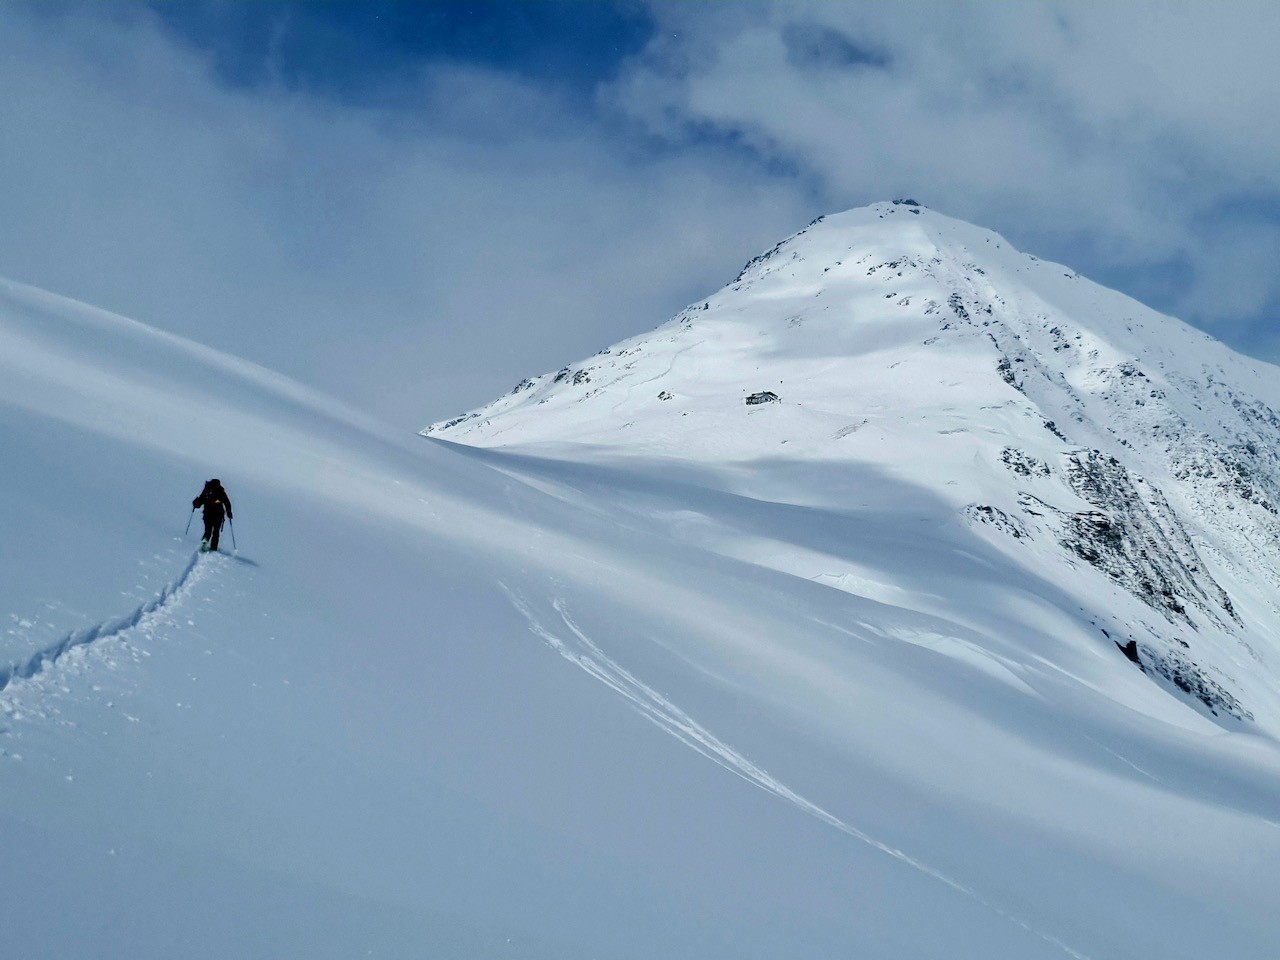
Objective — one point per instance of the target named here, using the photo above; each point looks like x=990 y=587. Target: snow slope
x=655 y=692
x=901 y=407
x=1089 y=434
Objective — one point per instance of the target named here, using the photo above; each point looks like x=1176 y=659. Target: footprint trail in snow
x=36 y=673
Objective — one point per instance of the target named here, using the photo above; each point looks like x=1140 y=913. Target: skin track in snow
x=360 y=746
x=582 y=652
x=173 y=593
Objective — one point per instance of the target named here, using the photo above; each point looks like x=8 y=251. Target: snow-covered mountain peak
x=853 y=593
x=891 y=310
x=891 y=355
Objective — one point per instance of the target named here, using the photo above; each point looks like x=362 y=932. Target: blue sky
x=361 y=52
x=412 y=206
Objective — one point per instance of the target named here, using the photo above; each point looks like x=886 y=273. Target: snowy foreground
x=635 y=669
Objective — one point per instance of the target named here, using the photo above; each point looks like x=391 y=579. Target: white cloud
x=416 y=260
x=1236 y=273
x=420 y=258
x=1109 y=135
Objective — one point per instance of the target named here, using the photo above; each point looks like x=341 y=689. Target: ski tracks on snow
x=142 y=619
x=582 y=652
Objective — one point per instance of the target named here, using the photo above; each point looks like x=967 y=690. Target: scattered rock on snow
x=1137 y=540
x=1023 y=464
x=1191 y=679
x=995 y=517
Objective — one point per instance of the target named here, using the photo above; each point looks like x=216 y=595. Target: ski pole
x=188 y=530
x=233 y=533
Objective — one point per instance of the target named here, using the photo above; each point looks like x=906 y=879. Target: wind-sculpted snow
x=1133 y=447
x=950 y=733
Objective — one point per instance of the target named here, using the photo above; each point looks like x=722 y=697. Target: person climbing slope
x=216 y=505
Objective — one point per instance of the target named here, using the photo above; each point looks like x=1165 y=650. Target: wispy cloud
x=1121 y=138
x=415 y=259
x=419 y=253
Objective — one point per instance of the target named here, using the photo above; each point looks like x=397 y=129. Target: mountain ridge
x=1047 y=410
x=520 y=701
x=965 y=296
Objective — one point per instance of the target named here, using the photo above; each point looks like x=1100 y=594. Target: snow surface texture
x=1088 y=434
x=1051 y=488
x=669 y=674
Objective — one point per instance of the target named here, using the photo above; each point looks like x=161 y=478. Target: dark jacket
x=214 y=499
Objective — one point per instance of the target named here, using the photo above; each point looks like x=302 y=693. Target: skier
x=215 y=501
